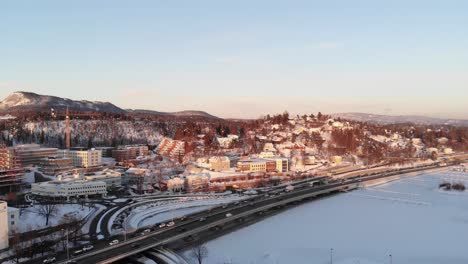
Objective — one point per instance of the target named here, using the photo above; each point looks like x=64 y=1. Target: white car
x=170 y=223
x=228 y=215
x=88 y=248
x=49 y=260
x=114 y=242
x=162 y=225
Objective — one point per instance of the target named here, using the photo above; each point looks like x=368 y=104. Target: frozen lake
x=411 y=219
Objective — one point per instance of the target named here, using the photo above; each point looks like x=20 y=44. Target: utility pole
x=67 y=130
x=391 y=258
x=68 y=250
x=125 y=230
x=331 y=255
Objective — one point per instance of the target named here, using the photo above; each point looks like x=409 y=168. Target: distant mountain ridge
x=27 y=102
x=185 y=113
x=398 y=119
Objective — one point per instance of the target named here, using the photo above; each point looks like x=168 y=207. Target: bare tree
x=199 y=253
x=47 y=210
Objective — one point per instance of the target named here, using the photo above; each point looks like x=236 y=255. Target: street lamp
x=331 y=255
x=391 y=260
x=125 y=230
x=68 y=251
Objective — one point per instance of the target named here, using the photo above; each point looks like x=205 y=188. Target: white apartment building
x=69 y=188
x=13 y=219
x=86 y=158
x=3 y=225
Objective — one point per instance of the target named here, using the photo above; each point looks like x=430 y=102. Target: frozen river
x=411 y=219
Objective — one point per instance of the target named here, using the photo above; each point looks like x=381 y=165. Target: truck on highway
x=289 y=188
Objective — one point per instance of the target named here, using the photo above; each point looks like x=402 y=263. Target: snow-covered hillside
x=27 y=102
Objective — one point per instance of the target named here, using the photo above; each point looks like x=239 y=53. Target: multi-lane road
x=204 y=223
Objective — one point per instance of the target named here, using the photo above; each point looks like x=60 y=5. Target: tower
x=67 y=130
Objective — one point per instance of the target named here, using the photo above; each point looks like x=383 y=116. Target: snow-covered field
x=30 y=219
x=411 y=219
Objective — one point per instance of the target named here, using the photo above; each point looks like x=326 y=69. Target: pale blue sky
x=242 y=58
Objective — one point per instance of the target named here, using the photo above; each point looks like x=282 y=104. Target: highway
x=216 y=218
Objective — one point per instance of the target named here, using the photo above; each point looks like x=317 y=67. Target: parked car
x=114 y=242
x=49 y=260
x=162 y=225
x=170 y=224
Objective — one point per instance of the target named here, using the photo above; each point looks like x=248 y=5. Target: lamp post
x=391 y=258
x=68 y=251
x=125 y=230
x=331 y=255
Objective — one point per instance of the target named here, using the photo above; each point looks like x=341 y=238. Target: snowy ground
x=30 y=219
x=411 y=219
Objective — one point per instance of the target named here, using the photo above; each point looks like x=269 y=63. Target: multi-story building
x=106 y=151
x=197 y=183
x=3 y=225
x=129 y=152
x=69 y=188
x=13 y=219
x=86 y=158
x=11 y=180
x=140 y=150
x=9 y=159
x=176 y=184
x=282 y=164
x=122 y=155
x=11 y=172
x=33 y=154
x=55 y=165
x=112 y=178
x=256 y=165
x=219 y=163
x=274 y=164
x=171 y=148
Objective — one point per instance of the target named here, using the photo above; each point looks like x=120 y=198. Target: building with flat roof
x=197 y=183
x=9 y=159
x=11 y=180
x=112 y=178
x=86 y=158
x=273 y=164
x=11 y=171
x=3 y=225
x=106 y=151
x=13 y=219
x=69 y=188
x=219 y=163
x=55 y=165
x=33 y=154
x=122 y=155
